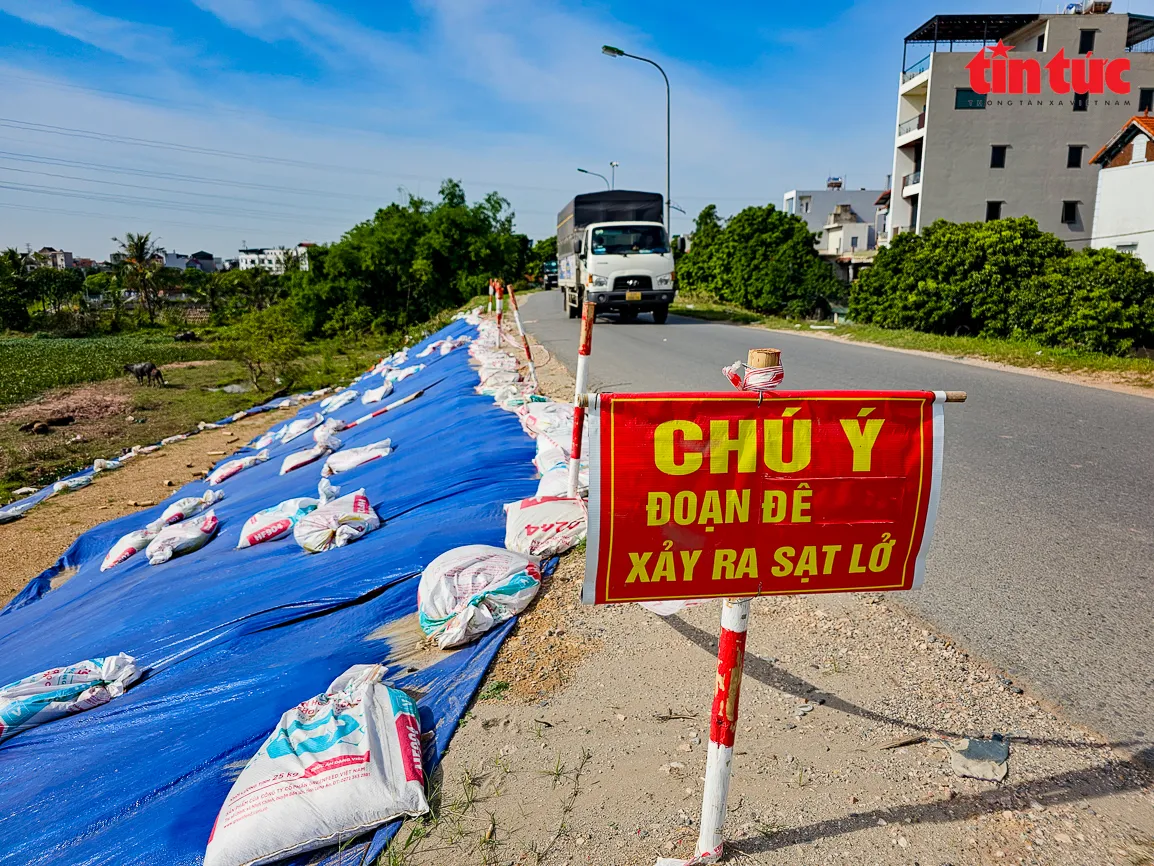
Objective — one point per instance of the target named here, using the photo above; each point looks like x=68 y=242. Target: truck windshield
x=551 y=267
x=623 y=240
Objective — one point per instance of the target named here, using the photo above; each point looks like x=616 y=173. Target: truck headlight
x=598 y=282
x=665 y=280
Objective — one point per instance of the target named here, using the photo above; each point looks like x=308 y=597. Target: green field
x=31 y=365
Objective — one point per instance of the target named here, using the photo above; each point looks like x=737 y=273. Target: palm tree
x=138 y=270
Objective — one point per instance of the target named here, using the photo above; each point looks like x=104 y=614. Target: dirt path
x=587 y=745
x=34 y=542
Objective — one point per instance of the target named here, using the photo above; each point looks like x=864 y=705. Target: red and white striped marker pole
x=723 y=717
x=395 y=404
x=524 y=337
x=584 y=347
x=499 y=306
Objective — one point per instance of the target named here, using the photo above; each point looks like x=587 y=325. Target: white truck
x=612 y=249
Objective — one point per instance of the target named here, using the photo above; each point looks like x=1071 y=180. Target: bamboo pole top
x=759 y=359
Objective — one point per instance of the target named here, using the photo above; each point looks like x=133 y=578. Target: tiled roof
x=1139 y=123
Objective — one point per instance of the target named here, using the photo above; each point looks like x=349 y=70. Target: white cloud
x=114 y=35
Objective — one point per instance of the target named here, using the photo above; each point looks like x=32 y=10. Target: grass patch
x=1015 y=353
x=493 y=691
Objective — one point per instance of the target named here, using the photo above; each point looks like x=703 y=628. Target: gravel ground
x=587 y=745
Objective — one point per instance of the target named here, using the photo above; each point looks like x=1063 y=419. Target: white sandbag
x=326 y=430
x=466 y=591
x=336 y=523
x=335 y=402
x=326 y=444
x=554 y=420
x=208 y=425
x=544 y=527
x=263 y=441
x=169 y=440
x=351 y=458
x=181 y=538
x=300 y=426
x=70 y=484
x=277 y=522
x=376 y=395
x=129 y=545
x=189 y=506
x=102 y=465
x=334 y=767
x=232 y=467
x=401 y=375
x=64 y=691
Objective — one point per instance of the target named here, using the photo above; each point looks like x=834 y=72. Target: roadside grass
x=1015 y=353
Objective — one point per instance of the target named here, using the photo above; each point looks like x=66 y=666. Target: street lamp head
x=611 y=51
x=583 y=171
x=614 y=165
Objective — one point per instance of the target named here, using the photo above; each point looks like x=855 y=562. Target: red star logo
x=1001 y=49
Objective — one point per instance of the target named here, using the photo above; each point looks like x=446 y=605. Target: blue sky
x=214 y=123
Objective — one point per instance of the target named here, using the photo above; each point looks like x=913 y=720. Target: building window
x=1146 y=99
x=1041 y=41
x=1081 y=102
x=1074 y=155
x=998 y=155
x=1129 y=249
x=1086 y=41
x=1069 y=212
x=993 y=210
x=964 y=98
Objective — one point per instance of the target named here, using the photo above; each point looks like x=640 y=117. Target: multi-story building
x=54 y=258
x=844 y=223
x=999 y=116
x=1124 y=207
x=272 y=259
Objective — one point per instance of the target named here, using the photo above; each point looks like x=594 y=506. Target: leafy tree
x=55 y=287
x=13 y=298
x=266 y=342
x=139 y=271
x=544 y=250
x=1097 y=300
x=954 y=278
x=761 y=259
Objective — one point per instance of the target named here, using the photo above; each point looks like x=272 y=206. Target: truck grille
x=632 y=284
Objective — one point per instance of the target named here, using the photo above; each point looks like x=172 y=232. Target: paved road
x=1044 y=550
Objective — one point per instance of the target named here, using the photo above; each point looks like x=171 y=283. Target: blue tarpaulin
x=230 y=639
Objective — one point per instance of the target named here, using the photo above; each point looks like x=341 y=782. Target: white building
x=272 y=259
x=54 y=258
x=843 y=221
x=1021 y=148
x=1124 y=210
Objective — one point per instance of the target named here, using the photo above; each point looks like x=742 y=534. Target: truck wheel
x=660 y=314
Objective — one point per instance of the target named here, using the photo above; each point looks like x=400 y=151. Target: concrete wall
x=1124 y=212
x=957 y=180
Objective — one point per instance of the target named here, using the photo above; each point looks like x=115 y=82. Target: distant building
x=1123 y=213
x=84 y=263
x=272 y=259
x=171 y=259
x=843 y=221
x=996 y=114
x=54 y=258
x=202 y=260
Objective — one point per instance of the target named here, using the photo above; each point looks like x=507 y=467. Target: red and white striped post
x=585 y=346
x=524 y=336
x=730 y=664
x=500 y=305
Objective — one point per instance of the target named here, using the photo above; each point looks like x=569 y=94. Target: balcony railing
x=917 y=69
x=911 y=179
x=912 y=124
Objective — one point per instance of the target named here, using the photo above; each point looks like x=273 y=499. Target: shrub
x=267 y=342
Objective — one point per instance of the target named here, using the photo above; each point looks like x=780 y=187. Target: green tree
x=139 y=270
x=266 y=342
x=13 y=291
x=56 y=288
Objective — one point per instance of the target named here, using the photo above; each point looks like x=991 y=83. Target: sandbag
x=466 y=591
x=69 y=484
x=344 y=398
x=544 y=527
x=299 y=427
x=277 y=521
x=129 y=545
x=63 y=691
x=102 y=465
x=335 y=766
x=326 y=443
x=326 y=430
x=232 y=467
x=181 y=538
x=401 y=375
x=188 y=507
x=376 y=395
x=351 y=458
x=336 y=523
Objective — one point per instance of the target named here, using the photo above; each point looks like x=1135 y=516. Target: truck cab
x=613 y=250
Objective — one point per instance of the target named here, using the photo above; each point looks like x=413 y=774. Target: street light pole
x=595 y=174
x=617 y=52
x=613 y=174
